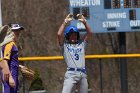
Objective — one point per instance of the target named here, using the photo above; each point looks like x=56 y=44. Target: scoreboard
x=107 y=15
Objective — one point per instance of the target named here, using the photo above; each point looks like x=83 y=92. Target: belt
x=77 y=69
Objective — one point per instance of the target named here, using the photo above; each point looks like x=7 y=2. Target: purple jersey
x=10 y=53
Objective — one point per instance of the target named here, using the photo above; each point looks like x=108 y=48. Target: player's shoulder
x=10 y=43
x=81 y=41
x=9 y=46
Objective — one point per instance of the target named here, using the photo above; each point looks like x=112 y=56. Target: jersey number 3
x=76 y=57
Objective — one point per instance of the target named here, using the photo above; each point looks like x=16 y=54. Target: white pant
x=72 y=78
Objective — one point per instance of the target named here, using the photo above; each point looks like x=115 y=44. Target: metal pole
x=101 y=82
x=123 y=63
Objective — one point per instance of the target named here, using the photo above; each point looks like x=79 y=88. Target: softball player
x=73 y=48
x=9 y=62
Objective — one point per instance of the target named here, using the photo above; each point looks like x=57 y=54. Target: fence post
x=101 y=82
x=123 y=63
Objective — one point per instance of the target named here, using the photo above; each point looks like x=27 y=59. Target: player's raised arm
x=60 y=32
x=88 y=29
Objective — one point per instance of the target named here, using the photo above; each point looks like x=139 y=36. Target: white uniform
x=74 y=55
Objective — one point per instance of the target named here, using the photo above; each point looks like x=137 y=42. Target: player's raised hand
x=81 y=18
x=68 y=18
